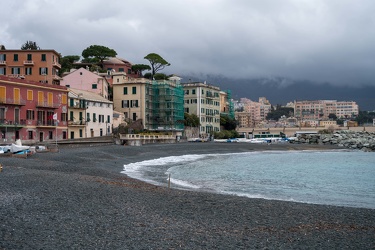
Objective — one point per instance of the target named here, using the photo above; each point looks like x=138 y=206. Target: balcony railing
x=77 y=106
x=77 y=123
x=56 y=64
x=12 y=101
x=3 y=63
x=46 y=123
x=12 y=123
x=47 y=105
x=18 y=76
x=28 y=62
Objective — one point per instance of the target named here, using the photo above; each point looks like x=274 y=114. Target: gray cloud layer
x=300 y=39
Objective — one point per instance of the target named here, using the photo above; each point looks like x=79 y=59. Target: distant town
x=45 y=97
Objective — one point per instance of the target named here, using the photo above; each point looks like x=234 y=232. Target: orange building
x=34 y=65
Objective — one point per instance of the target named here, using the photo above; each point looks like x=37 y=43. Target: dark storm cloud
x=298 y=39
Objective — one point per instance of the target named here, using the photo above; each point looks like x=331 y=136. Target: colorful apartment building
x=86 y=80
x=32 y=112
x=203 y=100
x=34 y=65
x=254 y=113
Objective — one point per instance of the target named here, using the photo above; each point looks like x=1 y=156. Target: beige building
x=90 y=114
x=254 y=112
x=203 y=100
x=158 y=104
x=321 y=109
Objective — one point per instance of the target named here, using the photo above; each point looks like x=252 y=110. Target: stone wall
x=344 y=138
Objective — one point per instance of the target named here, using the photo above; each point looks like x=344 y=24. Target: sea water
x=343 y=178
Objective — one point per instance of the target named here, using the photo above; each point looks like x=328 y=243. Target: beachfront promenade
x=292 y=131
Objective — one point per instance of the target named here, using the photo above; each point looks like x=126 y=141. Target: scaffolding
x=164 y=105
x=230 y=104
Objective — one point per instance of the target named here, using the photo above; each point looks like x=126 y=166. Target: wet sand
x=78 y=199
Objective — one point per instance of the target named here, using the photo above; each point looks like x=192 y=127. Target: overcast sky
x=320 y=40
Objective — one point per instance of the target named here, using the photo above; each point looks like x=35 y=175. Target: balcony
x=48 y=123
x=56 y=77
x=3 y=63
x=47 y=105
x=77 y=106
x=12 y=123
x=18 y=76
x=12 y=101
x=76 y=123
x=28 y=62
x=56 y=64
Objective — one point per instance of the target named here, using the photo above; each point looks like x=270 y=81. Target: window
x=87 y=117
x=121 y=70
x=64 y=117
x=71 y=116
x=64 y=135
x=43 y=71
x=186 y=92
x=64 y=99
x=94 y=117
x=2 y=93
x=50 y=135
x=81 y=133
x=94 y=86
x=30 y=135
x=134 y=90
x=3 y=57
x=2 y=71
x=125 y=90
x=29 y=95
x=16 y=70
x=125 y=104
x=28 y=71
x=44 y=58
x=193 y=91
x=30 y=115
x=134 y=103
x=129 y=71
x=15 y=57
x=29 y=57
x=108 y=118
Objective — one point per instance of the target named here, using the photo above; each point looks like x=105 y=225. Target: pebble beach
x=78 y=198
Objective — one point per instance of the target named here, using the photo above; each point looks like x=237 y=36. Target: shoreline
x=78 y=198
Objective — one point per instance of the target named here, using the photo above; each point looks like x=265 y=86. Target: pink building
x=31 y=111
x=86 y=80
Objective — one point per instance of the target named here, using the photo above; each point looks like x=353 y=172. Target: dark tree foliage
x=98 y=52
x=226 y=134
x=365 y=117
x=227 y=122
x=139 y=68
x=191 y=120
x=160 y=76
x=30 y=45
x=157 y=62
x=2 y=47
x=279 y=111
x=332 y=116
x=67 y=63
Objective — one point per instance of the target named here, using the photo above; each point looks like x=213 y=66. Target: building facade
x=90 y=115
x=86 y=80
x=203 y=100
x=32 y=112
x=34 y=65
x=321 y=109
x=158 y=104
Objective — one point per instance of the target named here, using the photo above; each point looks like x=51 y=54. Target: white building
x=89 y=114
x=203 y=100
